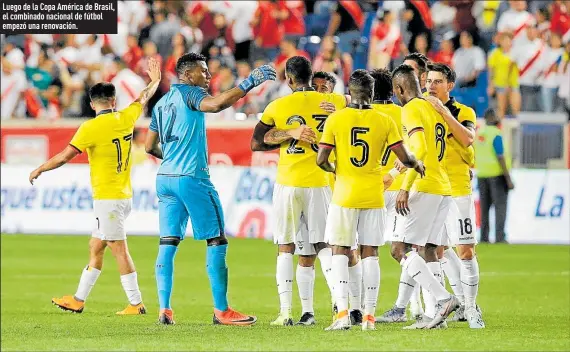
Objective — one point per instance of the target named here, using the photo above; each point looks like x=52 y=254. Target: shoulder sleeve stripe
x=326 y=145
x=74 y=147
x=393 y=145
x=263 y=123
x=414 y=130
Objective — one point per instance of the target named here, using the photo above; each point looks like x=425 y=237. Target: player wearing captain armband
x=107 y=139
x=177 y=135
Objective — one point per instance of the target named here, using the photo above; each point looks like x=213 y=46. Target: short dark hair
x=382 y=84
x=419 y=59
x=187 y=62
x=445 y=70
x=102 y=92
x=300 y=69
x=326 y=76
x=361 y=84
x=406 y=76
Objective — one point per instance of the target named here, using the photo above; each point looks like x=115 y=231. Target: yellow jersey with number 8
x=419 y=115
x=359 y=137
x=297 y=165
x=107 y=138
x=388 y=158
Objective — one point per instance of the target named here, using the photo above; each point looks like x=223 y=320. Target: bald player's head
x=406 y=83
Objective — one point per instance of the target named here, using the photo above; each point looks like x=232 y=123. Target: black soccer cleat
x=307 y=319
x=355 y=317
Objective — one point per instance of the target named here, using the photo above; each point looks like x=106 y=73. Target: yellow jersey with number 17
x=458 y=158
x=388 y=158
x=359 y=137
x=297 y=165
x=419 y=115
x=107 y=138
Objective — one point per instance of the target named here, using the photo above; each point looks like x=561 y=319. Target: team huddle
x=354 y=172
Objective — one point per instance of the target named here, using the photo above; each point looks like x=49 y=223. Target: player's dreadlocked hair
x=382 y=84
x=326 y=76
x=419 y=59
x=188 y=61
x=300 y=69
x=445 y=70
x=102 y=92
x=361 y=85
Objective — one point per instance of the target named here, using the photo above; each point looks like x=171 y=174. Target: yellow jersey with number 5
x=419 y=115
x=359 y=137
x=107 y=138
x=458 y=158
x=388 y=158
x=297 y=165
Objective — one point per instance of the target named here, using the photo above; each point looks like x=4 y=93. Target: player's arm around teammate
x=107 y=140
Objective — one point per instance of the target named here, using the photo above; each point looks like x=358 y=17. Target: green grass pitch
x=524 y=295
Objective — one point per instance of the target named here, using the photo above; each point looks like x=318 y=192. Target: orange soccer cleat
x=166 y=317
x=69 y=303
x=232 y=317
x=133 y=310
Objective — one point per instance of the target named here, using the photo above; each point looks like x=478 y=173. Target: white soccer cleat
x=282 y=320
x=342 y=322
x=474 y=318
x=368 y=323
x=443 y=309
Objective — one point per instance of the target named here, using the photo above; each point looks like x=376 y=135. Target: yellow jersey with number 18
x=107 y=138
x=359 y=137
x=388 y=158
x=458 y=158
x=419 y=115
x=297 y=165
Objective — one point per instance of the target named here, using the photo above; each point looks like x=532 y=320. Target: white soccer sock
x=340 y=280
x=89 y=276
x=305 y=283
x=131 y=287
x=416 y=307
x=405 y=289
x=451 y=265
x=429 y=299
x=325 y=257
x=470 y=280
x=284 y=277
x=355 y=285
x=371 y=280
x=419 y=271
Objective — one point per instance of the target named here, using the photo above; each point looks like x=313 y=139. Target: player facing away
x=177 y=135
x=301 y=195
x=423 y=211
x=462 y=271
x=358 y=134
x=107 y=139
x=324 y=82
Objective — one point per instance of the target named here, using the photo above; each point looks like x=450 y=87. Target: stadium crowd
x=512 y=54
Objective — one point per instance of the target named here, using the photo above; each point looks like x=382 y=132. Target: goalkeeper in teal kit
x=177 y=135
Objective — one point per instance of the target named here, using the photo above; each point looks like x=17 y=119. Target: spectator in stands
x=564 y=71
x=150 y=51
x=239 y=15
x=550 y=78
x=329 y=51
x=527 y=56
x=445 y=53
x=179 y=49
x=267 y=30
x=464 y=20
x=385 y=39
x=443 y=15
x=134 y=53
x=128 y=84
x=13 y=54
x=560 y=19
x=514 y=21
x=486 y=16
x=346 y=22
x=291 y=15
x=503 y=77
x=421 y=44
x=468 y=61
x=543 y=23
x=161 y=33
x=192 y=34
x=493 y=164
x=12 y=85
x=418 y=16
x=288 y=49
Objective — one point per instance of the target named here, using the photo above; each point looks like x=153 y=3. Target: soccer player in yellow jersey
x=358 y=134
x=459 y=229
x=301 y=195
x=423 y=212
x=107 y=139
